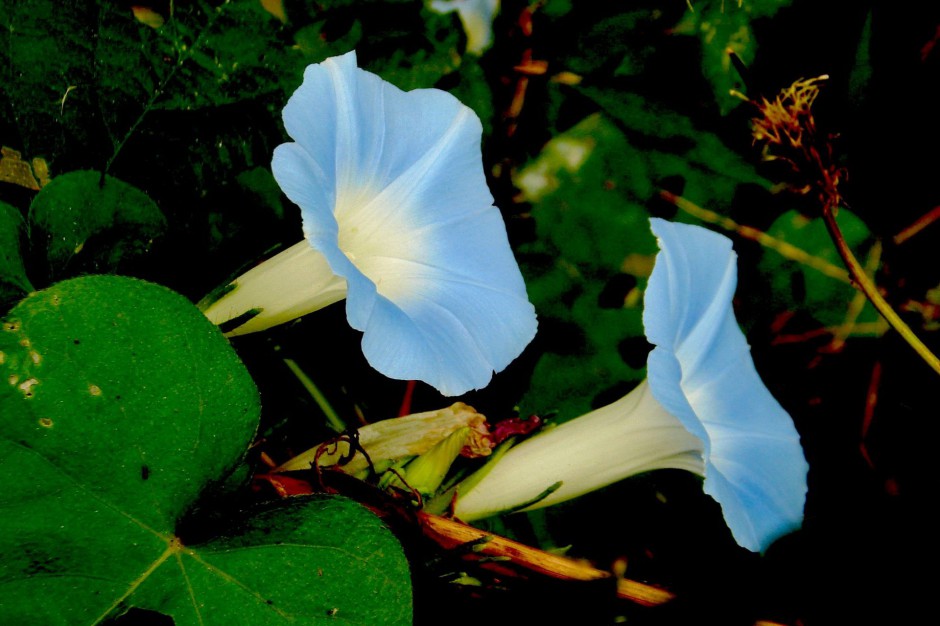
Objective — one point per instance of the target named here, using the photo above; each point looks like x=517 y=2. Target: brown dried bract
x=13 y=169
x=787 y=129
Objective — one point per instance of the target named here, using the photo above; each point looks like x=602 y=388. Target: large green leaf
x=310 y=560
x=121 y=404
x=86 y=221
x=13 y=280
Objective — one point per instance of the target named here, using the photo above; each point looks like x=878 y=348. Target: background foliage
x=137 y=141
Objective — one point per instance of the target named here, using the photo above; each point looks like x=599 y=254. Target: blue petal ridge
x=702 y=372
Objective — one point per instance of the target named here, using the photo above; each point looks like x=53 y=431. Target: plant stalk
x=868 y=287
x=451 y=533
x=332 y=419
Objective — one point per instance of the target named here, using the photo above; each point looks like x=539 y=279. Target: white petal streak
x=399 y=206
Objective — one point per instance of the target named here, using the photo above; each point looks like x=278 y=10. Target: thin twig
x=785 y=249
x=919 y=224
x=332 y=418
x=863 y=282
x=451 y=533
x=871 y=401
x=856 y=305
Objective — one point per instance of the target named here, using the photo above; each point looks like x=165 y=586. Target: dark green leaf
x=316 y=44
x=474 y=91
x=612 y=43
x=860 y=78
x=113 y=374
x=799 y=286
x=414 y=69
x=260 y=183
x=722 y=26
x=13 y=281
x=557 y=8
x=48 y=75
x=308 y=560
x=80 y=71
x=86 y=221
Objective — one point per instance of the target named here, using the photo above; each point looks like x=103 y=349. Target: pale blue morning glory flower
x=703 y=408
x=701 y=371
x=476 y=16
x=398 y=220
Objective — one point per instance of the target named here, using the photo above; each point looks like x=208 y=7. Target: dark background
x=866 y=411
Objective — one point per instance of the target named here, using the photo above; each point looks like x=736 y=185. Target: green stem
x=334 y=420
x=861 y=279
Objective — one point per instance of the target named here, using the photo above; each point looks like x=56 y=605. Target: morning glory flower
x=476 y=16
x=703 y=408
x=398 y=220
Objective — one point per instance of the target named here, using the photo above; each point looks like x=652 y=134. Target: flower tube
x=703 y=408
x=398 y=220
x=476 y=16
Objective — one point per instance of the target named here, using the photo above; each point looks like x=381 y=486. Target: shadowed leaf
x=88 y=222
x=13 y=281
x=724 y=26
x=798 y=286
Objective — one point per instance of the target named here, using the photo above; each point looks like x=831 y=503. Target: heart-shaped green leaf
x=119 y=405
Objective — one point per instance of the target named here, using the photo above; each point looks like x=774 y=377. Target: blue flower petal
x=701 y=371
x=392 y=192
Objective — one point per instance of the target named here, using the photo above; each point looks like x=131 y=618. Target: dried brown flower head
x=787 y=130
